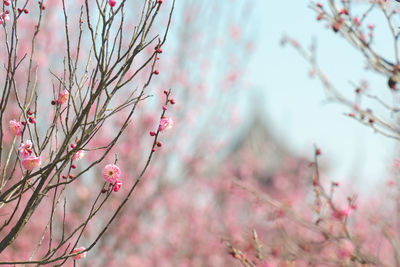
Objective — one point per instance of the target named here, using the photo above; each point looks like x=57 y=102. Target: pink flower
x=31 y=162
x=346 y=249
x=78 y=155
x=165 y=123
x=112 y=2
x=63 y=97
x=79 y=256
x=15 y=127
x=117 y=186
x=111 y=173
x=26 y=149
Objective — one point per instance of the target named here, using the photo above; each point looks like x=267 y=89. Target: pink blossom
x=346 y=249
x=4 y=17
x=78 y=155
x=31 y=162
x=111 y=173
x=112 y=2
x=26 y=149
x=63 y=97
x=79 y=256
x=165 y=123
x=15 y=127
x=117 y=186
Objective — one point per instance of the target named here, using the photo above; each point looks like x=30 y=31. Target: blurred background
x=273 y=82
x=248 y=115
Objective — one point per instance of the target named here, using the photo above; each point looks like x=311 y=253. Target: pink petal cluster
x=26 y=149
x=111 y=173
x=79 y=256
x=29 y=161
x=4 y=17
x=15 y=127
x=78 y=155
x=117 y=186
x=112 y=2
x=165 y=123
x=63 y=97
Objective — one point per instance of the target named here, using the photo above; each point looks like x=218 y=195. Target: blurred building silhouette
x=257 y=153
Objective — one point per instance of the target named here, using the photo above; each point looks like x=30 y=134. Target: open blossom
x=26 y=149
x=78 y=155
x=15 y=127
x=79 y=256
x=117 y=186
x=31 y=162
x=63 y=97
x=165 y=123
x=111 y=173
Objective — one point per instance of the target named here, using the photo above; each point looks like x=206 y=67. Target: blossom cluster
x=111 y=174
x=29 y=160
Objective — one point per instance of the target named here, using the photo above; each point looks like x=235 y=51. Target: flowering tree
x=61 y=88
x=325 y=228
x=204 y=201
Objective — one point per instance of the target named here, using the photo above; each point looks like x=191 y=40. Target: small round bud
x=112 y=3
x=32 y=120
x=172 y=101
x=73 y=166
x=165 y=107
x=73 y=145
x=153 y=150
x=152 y=133
x=156 y=72
x=53 y=102
x=318 y=151
x=103 y=190
x=64 y=176
x=26 y=11
x=159 y=144
x=71 y=176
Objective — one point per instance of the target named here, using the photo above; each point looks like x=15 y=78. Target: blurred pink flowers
x=15 y=127
x=79 y=256
x=78 y=155
x=111 y=173
x=31 y=162
x=165 y=123
x=63 y=97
